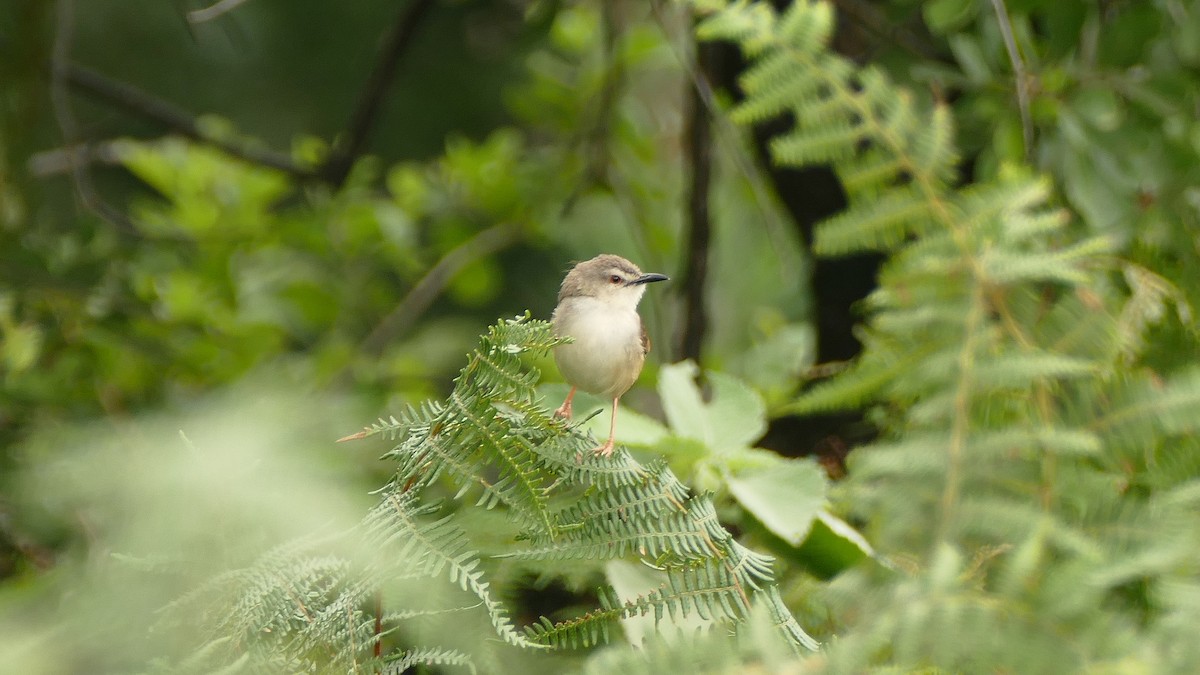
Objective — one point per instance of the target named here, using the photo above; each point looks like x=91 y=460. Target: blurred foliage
x=1112 y=97
x=1028 y=486
x=520 y=136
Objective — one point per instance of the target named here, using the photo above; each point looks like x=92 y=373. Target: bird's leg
x=606 y=450
x=564 y=410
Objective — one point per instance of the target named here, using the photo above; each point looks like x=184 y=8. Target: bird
x=597 y=309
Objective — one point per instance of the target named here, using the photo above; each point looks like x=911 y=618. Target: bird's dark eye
x=615 y=279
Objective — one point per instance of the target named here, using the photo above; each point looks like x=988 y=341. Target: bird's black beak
x=648 y=278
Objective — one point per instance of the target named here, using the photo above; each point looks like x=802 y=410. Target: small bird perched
x=597 y=306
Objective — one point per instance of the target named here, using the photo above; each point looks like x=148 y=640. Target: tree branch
x=1019 y=75
x=699 y=149
x=174 y=118
x=60 y=101
x=366 y=113
x=418 y=299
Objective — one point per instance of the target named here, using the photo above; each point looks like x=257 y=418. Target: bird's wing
x=645 y=339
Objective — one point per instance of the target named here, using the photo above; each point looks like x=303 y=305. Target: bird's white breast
x=606 y=356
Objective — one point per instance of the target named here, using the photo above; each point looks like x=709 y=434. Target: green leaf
x=832 y=546
x=946 y=16
x=734 y=418
x=785 y=498
x=775 y=364
x=1099 y=107
x=20 y=346
x=681 y=401
x=970 y=57
x=736 y=413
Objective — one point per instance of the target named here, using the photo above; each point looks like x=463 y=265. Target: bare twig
x=365 y=115
x=731 y=143
x=213 y=11
x=60 y=100
x=174 y=118
x=67 y=159
x=1019 y=75
x=418 y=299
x=592 y=138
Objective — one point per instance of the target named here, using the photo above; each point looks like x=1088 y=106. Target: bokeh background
x=232 y=233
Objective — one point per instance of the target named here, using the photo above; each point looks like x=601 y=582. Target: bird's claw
x=605 y=450
x=564 y=411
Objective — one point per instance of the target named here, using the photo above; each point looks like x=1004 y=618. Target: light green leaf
x=969 y=55
x=1100 y=107
x=774 y=364
x=682 y=403
x=736 y=413
x=785 y=498
x=734 y=418
x=946 y=16
x=633 y=428
x=20 y=346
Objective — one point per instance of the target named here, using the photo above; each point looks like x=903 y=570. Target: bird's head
x=608 y=278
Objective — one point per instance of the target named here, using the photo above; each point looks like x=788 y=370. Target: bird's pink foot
x=605 y=450
x=564 y=410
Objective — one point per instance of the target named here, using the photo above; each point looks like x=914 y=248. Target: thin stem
x=60 y=100
x=1018 y=66
x=960 y=425
x=783 y=245
x=174 y=118
x=366 y=113
x=418 y=299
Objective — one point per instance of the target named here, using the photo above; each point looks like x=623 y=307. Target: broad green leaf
x=785 y=498
x=734 y=418
x=1100 y=107
x=736 y=413
x=832 y=546
x=682 y=403
x=633 y=428
x=774 y=364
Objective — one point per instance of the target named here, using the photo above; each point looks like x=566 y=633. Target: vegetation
x=1022 y=494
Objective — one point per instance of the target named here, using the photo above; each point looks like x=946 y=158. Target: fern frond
x=855 y=387
x=1026 y=449
x=880 y=224
x=427 y=656
x=1061 y=265
x=604 y=511
x=675 y=536
x=433 y=549
x=1142 y=407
